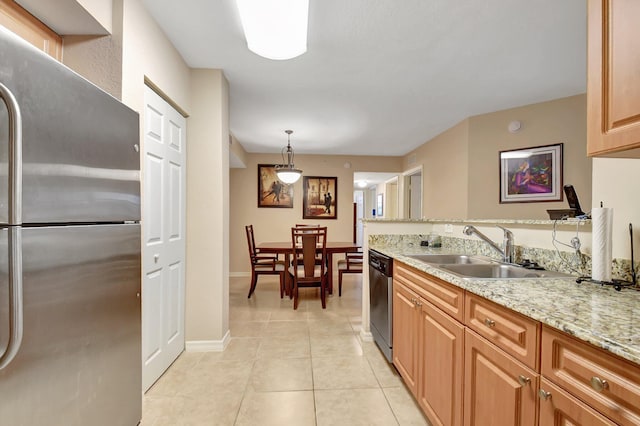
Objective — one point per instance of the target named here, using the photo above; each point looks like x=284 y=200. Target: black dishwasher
x=381 y=301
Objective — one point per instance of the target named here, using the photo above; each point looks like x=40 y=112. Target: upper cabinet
x=613 y=74
x=21 y=22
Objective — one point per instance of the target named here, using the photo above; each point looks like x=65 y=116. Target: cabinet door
x=559 y=408
x=613 y=87
x=406 y=322
x=441 y=366
x=498 y=390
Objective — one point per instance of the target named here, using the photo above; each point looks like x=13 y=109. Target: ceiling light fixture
x=275 y=29
x=288 y=173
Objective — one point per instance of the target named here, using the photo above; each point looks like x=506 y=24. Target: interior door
x=163 y=214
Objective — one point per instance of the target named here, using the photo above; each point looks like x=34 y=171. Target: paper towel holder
x=618 y=284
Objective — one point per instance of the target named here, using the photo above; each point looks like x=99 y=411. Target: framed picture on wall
x=531 y=175
x=271 y=191
x=320 y=198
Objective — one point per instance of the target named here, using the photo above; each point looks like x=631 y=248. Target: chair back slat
x=307 y=242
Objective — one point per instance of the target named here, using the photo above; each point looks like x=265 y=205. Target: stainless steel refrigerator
x=70 y=340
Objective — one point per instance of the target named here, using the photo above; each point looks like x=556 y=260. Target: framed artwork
x=531 y=175
x=320 y=199
x=379 y=205
x=271 y=191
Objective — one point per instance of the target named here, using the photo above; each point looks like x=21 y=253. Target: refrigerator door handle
x=15 y=156
x=16 y=304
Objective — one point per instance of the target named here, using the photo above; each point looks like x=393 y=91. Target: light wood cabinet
x=428 y=344
x=613 y=81
x=499 y=367
x=603 y=381
x=406 y=326
x=441 y=357
x=443 y=295
x=21 y=22
x=498 y=391
x=516 y=334
x=559 y=408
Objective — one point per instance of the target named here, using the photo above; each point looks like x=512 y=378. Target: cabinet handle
x=418 y=302
x=543 y=394
x=524 y=381
x=599 y=384
x=489 y=322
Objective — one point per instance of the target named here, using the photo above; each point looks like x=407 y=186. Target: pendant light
x=287 y=173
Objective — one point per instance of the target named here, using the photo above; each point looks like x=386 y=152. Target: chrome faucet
x=508 y=251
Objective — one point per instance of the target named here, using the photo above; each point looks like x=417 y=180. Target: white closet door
x=163 y=234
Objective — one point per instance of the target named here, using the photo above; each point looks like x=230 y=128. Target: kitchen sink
x=451 y=259
x=499 y=271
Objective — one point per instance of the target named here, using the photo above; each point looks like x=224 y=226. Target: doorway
x=413 y=193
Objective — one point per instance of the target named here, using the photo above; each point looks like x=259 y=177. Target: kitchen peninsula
x=525 y=349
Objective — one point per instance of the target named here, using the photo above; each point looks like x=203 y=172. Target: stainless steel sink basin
x=499 y=271
x=451 y=259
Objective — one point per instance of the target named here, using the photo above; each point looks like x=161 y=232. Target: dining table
x=286 y=249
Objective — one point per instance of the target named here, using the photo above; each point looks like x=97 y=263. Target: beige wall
x=274 y=224
x=207 y=297
x=99 y=58
x=558 y=121
x=444 y=162
x=615 y=183
x=148 y=53
x=101 y=11
x=461 y=167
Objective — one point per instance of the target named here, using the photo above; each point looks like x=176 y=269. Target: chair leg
x=295 y=296
x=340 y=283
x=281 y=284
x=254 y=281
x=323 y=295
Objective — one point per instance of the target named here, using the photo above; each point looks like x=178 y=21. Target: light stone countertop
x=523 y=222
x=599 y=315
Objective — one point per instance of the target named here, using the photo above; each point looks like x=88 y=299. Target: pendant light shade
x=288 y=173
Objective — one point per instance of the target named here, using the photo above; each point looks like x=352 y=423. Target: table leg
x=330 y=271
x=287 y=277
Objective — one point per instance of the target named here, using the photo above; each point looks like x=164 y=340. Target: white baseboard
x=208 y=345
x=239 y=274
x=366 y=336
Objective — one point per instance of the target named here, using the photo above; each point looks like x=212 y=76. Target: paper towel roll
x=601 y=231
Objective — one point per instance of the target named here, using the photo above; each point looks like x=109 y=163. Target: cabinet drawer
x=443 y=295
x=516 y=334
x=604 y=381
x=561 y=408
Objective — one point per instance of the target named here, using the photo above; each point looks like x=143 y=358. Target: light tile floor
x=284 y=367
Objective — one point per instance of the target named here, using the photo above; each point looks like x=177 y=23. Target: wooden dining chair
x=305 y=271
x=306 y=226
x=263 y=264
x=351 y=264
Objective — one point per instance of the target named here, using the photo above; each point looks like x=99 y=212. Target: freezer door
x=80 y=160
x=80 y=358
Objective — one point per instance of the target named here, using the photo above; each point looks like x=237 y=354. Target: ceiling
x=383 y=77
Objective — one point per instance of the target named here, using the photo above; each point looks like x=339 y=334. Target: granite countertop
x=599 y=315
